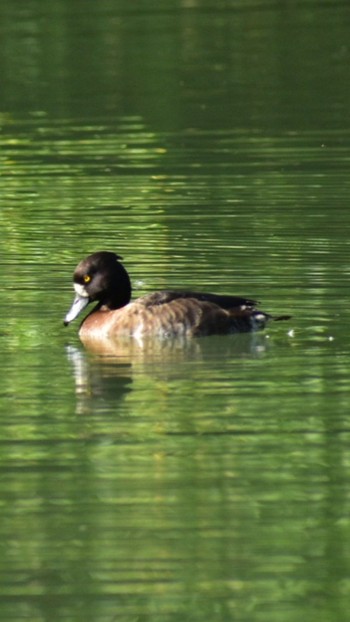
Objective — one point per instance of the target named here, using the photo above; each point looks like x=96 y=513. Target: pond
x=200 y=479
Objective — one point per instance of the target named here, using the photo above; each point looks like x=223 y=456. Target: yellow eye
x=87 y=278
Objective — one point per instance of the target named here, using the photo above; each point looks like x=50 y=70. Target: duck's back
x=169 y=313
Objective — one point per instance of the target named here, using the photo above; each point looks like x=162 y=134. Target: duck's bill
x=79 y=304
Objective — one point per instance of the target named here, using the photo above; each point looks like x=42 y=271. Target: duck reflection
x=98 y=380
x=107 y=368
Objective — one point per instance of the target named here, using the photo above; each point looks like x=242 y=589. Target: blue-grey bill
x=79 y=303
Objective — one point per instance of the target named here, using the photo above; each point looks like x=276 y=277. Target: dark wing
x=222 y=301
x=189 y=316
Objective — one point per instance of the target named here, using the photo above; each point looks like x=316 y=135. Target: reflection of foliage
x=191 y=140
x=67 y=191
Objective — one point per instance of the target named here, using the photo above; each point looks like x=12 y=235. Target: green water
x=208 y=144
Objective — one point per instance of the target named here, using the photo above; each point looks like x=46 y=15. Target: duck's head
x=100 y=278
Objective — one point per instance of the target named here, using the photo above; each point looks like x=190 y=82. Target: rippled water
x=196 y=480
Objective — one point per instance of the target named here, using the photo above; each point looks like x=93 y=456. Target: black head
x=102 y=278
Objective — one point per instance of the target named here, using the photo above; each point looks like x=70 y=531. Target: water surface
x=206 y=479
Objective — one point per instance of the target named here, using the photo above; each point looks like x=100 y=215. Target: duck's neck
x=119 y=293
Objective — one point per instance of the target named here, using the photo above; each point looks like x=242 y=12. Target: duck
x=101 y=278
